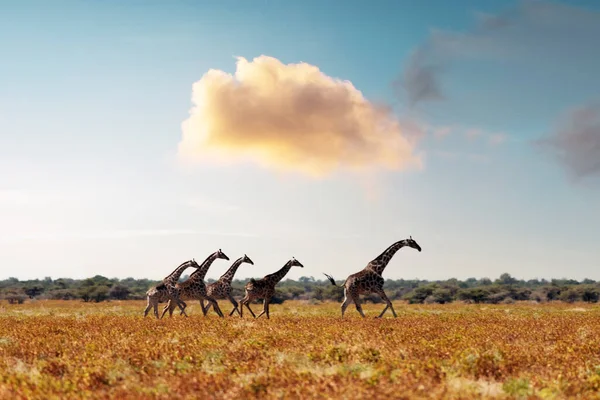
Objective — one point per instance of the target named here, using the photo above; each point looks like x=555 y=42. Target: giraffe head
x=411 y=243
x=296 y=263
x=222 y=255
x=247 y=259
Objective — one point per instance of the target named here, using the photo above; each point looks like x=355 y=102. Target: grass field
x=69 y=349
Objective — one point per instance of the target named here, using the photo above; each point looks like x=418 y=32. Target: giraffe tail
x=330 y=279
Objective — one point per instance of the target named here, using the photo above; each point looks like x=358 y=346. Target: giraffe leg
x=265 y=308
x=182 y=306
x=148 y=307
x=215 y=305
x=388 y=303
x=346 y=302
x=235 y=305
x=165 y=308
x=267 y=303
x=168 y=307
x=247 y=304
x=356 y=300
x=156 y=310
x=205 y=306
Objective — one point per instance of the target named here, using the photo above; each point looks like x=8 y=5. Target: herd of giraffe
x=368 y=280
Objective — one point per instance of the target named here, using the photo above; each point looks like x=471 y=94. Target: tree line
x=505 y=289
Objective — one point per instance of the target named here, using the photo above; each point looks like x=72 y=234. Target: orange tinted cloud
x=291 y=117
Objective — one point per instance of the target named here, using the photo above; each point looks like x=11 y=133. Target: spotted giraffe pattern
x=167 y=290
x=221 y=289
x=194 y=288
x=370 y=279
x=265 y=288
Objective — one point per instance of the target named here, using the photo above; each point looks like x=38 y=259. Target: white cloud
x=292 y=117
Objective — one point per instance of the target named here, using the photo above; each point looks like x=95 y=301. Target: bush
x=570 y=296
x=590 y=294
x=15 y=298
x=475 y=295
x=442 y=296
x=419 y=295
x=498 y=297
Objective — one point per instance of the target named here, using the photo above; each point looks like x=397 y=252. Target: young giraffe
x=195 y=288
x=167 y=289
x=369 y=280
x=265 y=288
x=221 y=289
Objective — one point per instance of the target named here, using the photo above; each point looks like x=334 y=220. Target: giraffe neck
x=200 y=273
x=277 y=276
x=175 y=275
x=228 y=275
x=379 y=263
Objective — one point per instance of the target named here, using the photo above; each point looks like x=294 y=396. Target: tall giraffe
x=265 y=288
x=221 y=289
x=195 y=288
x=370 y=279
x=167 y=289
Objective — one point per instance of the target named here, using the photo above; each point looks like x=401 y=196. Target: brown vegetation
x=66 y=349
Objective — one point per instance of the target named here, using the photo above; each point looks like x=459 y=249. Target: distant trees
x=505 y=289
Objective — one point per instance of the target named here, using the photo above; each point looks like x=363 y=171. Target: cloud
x=513 y=73
x=576 y=141
x=291 y=117
x=536 y=37
x=420 y=79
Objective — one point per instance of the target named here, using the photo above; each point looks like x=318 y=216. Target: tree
x=589 y=293
x=33 y=291
x=119 y=292
x=570 y=296
x=475 y=295
x=506 y=279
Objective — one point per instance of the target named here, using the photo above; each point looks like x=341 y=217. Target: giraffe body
x=370 y=279
x=167 y=290
x=265 y=288
x=221 y=289
x=194 y=288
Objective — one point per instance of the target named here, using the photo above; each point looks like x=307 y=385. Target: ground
x=70 y=349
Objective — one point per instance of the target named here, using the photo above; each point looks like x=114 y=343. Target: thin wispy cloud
x=292 y=117
x=576 y=141
x=530 y=63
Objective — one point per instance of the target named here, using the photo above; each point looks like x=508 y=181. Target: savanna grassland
x=71 y=349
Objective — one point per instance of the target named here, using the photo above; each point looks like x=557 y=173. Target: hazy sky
x=137 y=135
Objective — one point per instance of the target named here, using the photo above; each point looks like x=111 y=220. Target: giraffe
x=167 y=289
x=265 y=288
x=221 y=289
x=370 y=279
x=195 y=288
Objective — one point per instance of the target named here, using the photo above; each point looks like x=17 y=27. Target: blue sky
x=93 y=96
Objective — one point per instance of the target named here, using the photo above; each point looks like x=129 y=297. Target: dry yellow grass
x=54 y=349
